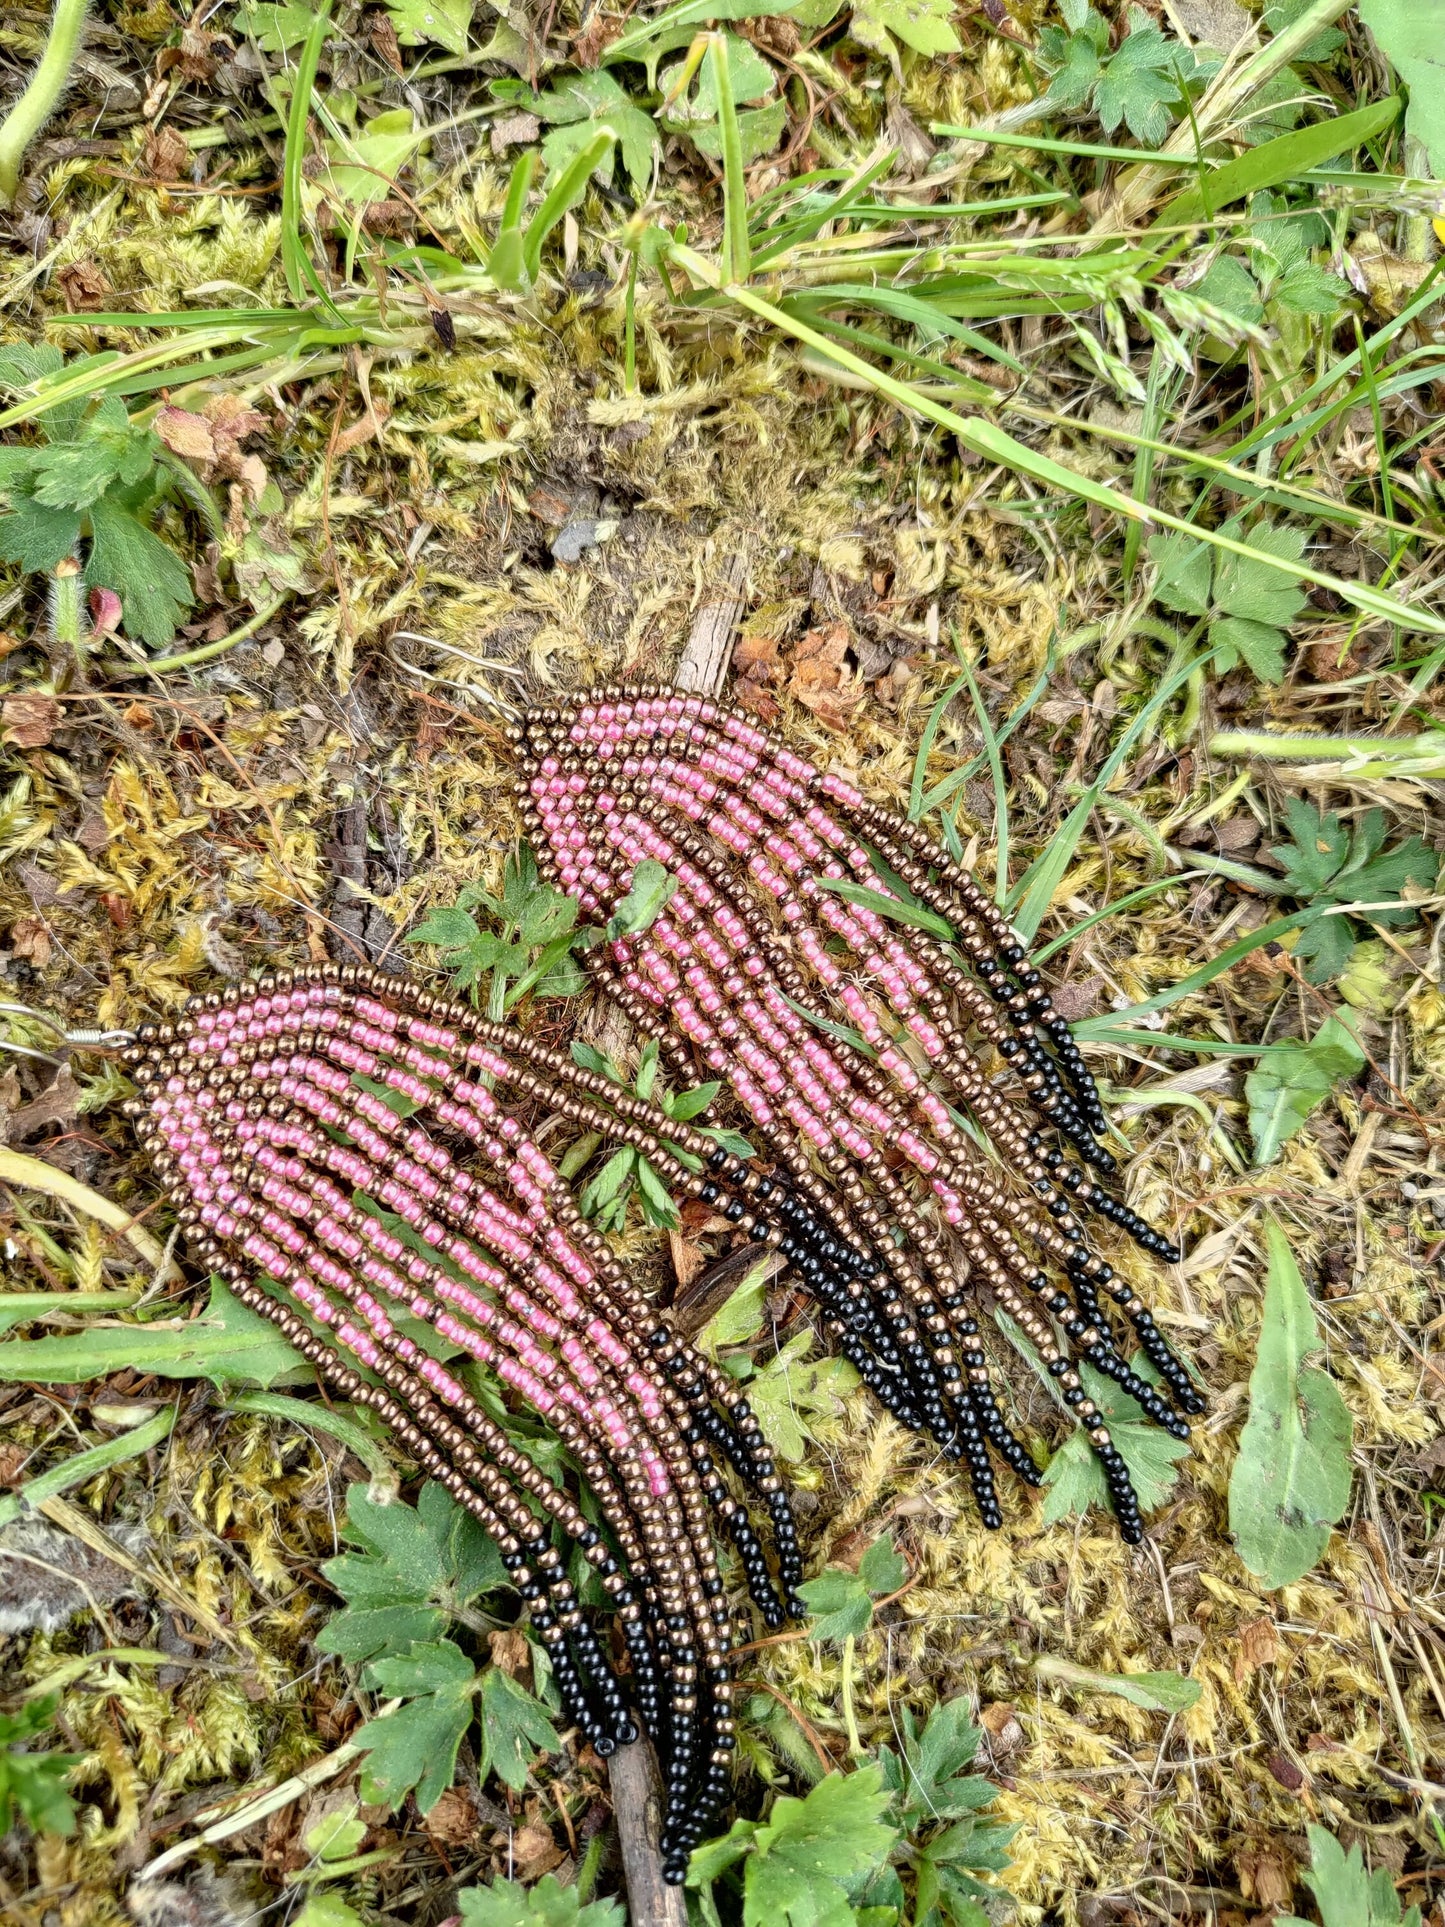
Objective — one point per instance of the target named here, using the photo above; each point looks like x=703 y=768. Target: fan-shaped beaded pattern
x=767 y=976
x=261 y=1111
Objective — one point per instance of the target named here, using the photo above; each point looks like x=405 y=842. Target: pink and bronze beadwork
x=347 y=1151
x=933 y=1124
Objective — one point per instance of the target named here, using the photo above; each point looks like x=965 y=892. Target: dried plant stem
x=42 y=96
x=34 y=1174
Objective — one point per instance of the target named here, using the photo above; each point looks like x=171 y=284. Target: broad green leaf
x=363 y=169
x=759 y=130
x=1325 y=949
x=931 y=1778
x=445 y=21
x=514 y=1725
x=688 y=1104
x=1317 y=850
x=1229 y=285
x=739 y=1317
x=881 y=1568
x=839 y=1604
x=1410 y=36
x=1158 y=1692
x=651 y=891
x=336 y=1836
x=1348 y=1896
x=228 y=1344
x=32 y=1785
x=1285 y=1087
x=327 y=1910
x=416 y=1745
x=1291 y=1478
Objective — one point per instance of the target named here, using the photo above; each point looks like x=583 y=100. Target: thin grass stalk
x=1137 y=188
x=298 y=268
x=737 y=259
x=994 y=445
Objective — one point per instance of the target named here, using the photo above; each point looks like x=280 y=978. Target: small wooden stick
x=637 y=1802
x=709 y=648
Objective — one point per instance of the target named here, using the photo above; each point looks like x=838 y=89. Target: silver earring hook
x=84 y=1039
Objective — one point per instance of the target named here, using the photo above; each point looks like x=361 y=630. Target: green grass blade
x=565 y=192
x=994 y=444
x=294 y=259
x=737 y=258
x=995 y=765
x=1283 y=159
x=910 y=913
x=1046 y=144
x=925 y=746
x=1207 y=972
x=1126 y=902
x=1034 y=891
x=85 y=1465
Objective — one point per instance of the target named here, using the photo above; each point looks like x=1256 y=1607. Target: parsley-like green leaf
x=841 y=1602
x=793 y=1395
x=1074 y=1475
x=1136 y=85
x=416 y=1567
x=416 y=1745
x=803 y=1862
x=35 y=536
x=1326 y=863
x=1345 y=1892
x=1185 y=572
x=514 y=1725
x=924 y=25
x=507 y=1903
x=152 y=582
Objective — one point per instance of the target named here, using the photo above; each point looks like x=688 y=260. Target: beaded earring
x=839 y=1033
x=265 y=1113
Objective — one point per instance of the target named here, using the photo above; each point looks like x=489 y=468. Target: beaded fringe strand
x=259 y=1108
x=843 y=1036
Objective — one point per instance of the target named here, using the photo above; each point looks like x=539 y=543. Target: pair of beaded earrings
x=363 y=1147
